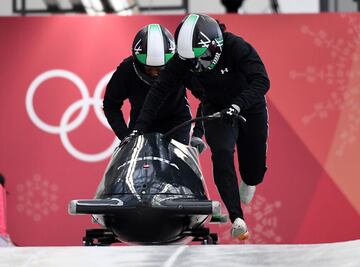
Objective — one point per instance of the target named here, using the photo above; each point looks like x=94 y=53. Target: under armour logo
x=224 y=70
x=230 y=111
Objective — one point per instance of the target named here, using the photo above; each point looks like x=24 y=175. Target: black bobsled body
x=152 y=192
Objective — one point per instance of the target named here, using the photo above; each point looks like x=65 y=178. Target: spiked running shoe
x=239 y=230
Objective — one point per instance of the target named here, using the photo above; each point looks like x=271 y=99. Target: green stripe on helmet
x=168 y=56
x=198 y=51
x=154 y=27
x=192 y=18
x=142 y=58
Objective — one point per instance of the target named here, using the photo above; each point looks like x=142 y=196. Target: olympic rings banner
x=55 y=142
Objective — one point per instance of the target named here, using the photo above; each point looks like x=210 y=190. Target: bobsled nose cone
x=72 y=207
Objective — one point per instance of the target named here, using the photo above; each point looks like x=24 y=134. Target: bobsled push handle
x=191 y=207
x=95 y=206
x=215 y=116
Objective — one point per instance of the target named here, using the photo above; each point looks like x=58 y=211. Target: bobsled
x=152 y=192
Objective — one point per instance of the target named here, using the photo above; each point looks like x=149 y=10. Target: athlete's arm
x=115 y=94
x=253 y=68
x=168 y=81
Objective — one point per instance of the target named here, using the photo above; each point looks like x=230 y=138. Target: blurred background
x=123 y=7
x=57 y=57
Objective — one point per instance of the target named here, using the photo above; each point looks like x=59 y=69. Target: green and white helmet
x=199 y=39
x=153 y=46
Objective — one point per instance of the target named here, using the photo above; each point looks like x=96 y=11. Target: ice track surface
x=334 y=254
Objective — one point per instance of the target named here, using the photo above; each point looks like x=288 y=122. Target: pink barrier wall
x=55 y=144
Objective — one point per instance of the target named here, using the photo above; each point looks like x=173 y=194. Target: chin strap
x=141 y=76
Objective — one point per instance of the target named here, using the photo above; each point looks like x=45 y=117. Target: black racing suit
x=125 y=84
x=239 y=78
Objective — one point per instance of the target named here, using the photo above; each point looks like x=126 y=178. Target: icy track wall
x=55 y=142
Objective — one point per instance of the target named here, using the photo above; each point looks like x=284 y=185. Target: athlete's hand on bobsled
x=128 y=138
x=230 y=114
x=198 y=143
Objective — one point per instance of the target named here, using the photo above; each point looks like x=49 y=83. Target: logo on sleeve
x=224 y=70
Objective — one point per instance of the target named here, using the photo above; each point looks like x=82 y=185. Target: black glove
x=128 y=138
x=231 y=113
x=198 y=143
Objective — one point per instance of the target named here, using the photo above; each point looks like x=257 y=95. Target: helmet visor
x=208 y=60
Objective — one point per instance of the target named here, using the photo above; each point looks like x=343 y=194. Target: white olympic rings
x=83 y=104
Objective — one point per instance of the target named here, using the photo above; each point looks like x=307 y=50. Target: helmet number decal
x=137 y=48
x=206 y=42
x=219 y=42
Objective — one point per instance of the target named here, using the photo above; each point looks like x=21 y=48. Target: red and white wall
x=55 y=143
